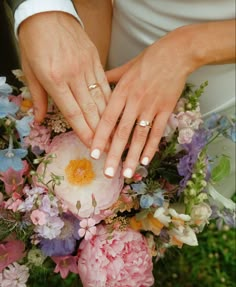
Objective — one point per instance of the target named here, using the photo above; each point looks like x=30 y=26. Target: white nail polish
x=145 y=161
x=109 y=171
x=95 y=153
x=128 y=173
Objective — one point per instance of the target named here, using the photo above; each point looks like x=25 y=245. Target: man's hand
x=59 y=60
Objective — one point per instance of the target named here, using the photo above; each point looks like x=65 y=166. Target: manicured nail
x=145 y=161
x=128 y=173
x=109 y=171
x=95 y=153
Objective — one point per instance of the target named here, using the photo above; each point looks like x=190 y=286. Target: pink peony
x=85 y=190
x=121 y=261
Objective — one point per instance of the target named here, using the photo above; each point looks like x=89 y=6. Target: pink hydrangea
x=38 y=139
x=85 y=190
x=121 y=261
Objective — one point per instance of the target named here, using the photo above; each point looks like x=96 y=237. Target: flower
x=13 y=180
x=38 y=217
x=83 y=177
x=10 y=251
x=87 y=228
x=11 y=158
x=121 y=261
x=15 y=275
x=7 y=107
x=65 y=264
x=5 y=89
x=200 y=213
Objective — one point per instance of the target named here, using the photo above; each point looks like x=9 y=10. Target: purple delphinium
x=65 y=243
x=187 y=162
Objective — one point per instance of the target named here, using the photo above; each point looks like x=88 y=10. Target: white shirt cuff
x=32 y=7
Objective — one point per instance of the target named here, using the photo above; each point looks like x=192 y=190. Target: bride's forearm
x=97 y=16
x=205 y=43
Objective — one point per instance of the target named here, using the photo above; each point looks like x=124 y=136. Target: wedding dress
x=138 y=23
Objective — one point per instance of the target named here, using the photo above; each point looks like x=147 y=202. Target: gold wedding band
x=144 y=123
x=93 y=86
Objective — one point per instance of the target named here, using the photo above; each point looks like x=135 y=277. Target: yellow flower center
x=80 y=172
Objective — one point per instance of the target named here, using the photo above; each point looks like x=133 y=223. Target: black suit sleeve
x=14 y=4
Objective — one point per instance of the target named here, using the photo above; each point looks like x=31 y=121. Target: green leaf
x=221 y=170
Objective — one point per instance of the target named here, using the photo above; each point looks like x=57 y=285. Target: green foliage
x=212 y=263
x=222 y=170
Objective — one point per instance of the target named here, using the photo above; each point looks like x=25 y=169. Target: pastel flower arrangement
x=57 y=207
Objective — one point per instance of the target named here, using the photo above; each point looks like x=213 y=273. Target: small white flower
x=200 y=213
x=184 y=234
x=15 y=275
x=160 y=214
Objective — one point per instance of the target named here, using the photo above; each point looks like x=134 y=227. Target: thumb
x=39 y=95
x=114 y=75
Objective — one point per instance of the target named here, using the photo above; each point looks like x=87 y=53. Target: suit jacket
x=14 y=4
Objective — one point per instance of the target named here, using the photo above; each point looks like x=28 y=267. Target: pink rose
x=121 y=261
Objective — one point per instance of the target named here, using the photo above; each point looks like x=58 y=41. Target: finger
x=85 y=102
x=119 y=141
x=139 y=139
x=96 y=93
x=38 y=94
x=107 y=123
x=102 y=80
x=69 y=107
x=154 y=138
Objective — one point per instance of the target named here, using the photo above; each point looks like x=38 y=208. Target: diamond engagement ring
x=93 y=86
x=143 y=123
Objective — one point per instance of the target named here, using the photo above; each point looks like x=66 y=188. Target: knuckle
x=114 y=156
x=72 y=114
x=140 y=134
x=89 y=108
x=56 y=76
x=108 y=120
x=123 y=130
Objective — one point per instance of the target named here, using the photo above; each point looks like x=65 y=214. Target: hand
x=148 y=89
x=59 y=60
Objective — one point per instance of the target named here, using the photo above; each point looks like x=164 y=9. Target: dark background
x=9 y=59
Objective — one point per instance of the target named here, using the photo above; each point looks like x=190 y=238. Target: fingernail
x=128 y=173
x=95 y=153
x=109 y=171
x=145 y=160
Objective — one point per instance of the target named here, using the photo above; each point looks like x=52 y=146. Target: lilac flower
x=5 y=89
x=65 y=243
x=51 y=229
x=58 y=247
x=49 y=206
x=12 y=158
x=7 y=107
x=187 y=162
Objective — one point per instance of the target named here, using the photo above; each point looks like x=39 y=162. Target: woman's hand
x=59 y=60
x=148 y=89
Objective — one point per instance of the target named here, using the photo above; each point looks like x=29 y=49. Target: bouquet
x=58 y=212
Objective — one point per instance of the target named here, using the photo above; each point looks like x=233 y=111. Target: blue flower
x=146 y=201
x=11 y=158
x=5 y=89
x=23 y=126
x=7 y=107
x=155 y=199
x=140 y=188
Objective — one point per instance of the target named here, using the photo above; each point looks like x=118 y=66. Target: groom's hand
x=59 y=60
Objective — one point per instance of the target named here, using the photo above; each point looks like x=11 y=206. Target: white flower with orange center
x=84 y=182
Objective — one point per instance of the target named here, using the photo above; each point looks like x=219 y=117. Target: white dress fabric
x=139 y=23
